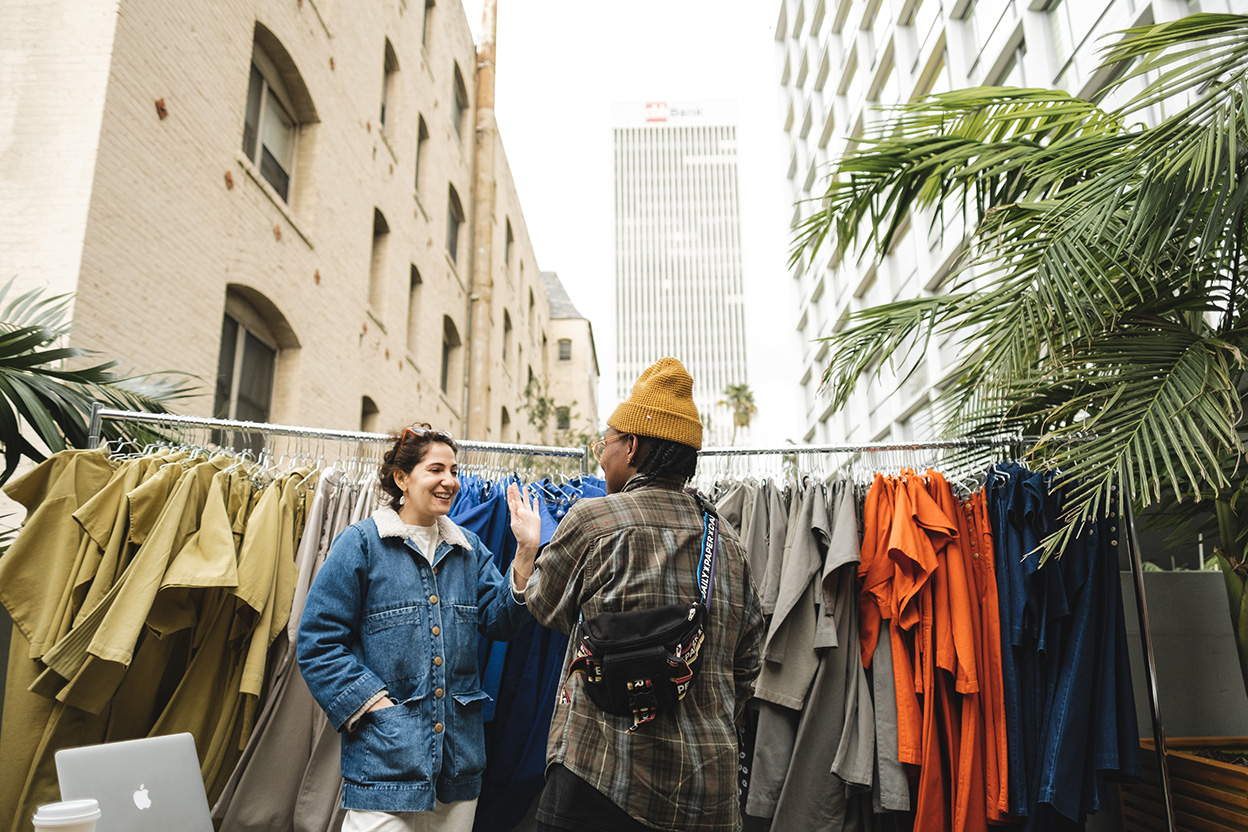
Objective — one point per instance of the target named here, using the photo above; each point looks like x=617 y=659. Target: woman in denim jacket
x=388 y=644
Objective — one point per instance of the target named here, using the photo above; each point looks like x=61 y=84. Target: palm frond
x=39 y=393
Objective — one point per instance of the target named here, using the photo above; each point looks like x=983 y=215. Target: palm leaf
x=40 y=394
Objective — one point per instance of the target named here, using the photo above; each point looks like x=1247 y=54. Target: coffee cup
x=68 y=816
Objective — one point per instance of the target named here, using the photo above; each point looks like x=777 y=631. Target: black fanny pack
x=640 y=663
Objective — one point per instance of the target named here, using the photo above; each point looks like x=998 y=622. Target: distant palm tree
x=740 y=399
x=38 y=395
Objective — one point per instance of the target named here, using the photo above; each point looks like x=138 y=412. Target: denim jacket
x=379 y=617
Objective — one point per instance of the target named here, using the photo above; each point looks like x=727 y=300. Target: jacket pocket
x=390 y=745
x=396 y=648
x=463 y=646
x=466 y=743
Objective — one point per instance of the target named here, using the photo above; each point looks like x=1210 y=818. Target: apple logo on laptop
x=141 y=798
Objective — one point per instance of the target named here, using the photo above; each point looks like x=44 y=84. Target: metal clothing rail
x=1136 y=561
x=100 y=414
x=937 y=444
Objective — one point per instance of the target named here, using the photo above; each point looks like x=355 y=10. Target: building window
x=563 y=418
x=278 y=103
x=532 y=316
x=508 y=240
x=565 y=349
x=1012 y=73
x=1070 y=23
x=377 y=266
x=422 y=141
x=504 y=425
x=269 y=133
x=454 y=219
x=413 y=311
x=257 y=346
x=368 y=415
x=424 y=33
x=450 y=351
x=245 y=370
x=506 y=333
x=459 y=103
x=390 y=69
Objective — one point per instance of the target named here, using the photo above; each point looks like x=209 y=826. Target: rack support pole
x=1150 y=662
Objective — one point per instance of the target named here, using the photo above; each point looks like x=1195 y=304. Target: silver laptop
x=148 y=785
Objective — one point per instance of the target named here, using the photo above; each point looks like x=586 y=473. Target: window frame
x=271 y=94
x=459 y=102
x=454 y=223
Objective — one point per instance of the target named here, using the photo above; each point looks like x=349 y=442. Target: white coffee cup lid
x=67 y=812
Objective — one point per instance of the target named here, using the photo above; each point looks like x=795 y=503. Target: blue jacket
x=379 y=616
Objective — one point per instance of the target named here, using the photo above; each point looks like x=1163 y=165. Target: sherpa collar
x=389 y=524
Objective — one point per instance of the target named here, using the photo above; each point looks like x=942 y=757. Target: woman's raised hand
x=526 y=525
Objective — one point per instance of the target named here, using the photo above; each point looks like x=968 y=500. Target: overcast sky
x=561 y=65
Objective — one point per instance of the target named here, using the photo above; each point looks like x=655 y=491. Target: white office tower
x=678 y=282
x=840 y=62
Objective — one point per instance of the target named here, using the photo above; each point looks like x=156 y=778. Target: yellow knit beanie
x=661 y=405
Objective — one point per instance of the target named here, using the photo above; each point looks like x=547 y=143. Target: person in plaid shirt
x=640 y=548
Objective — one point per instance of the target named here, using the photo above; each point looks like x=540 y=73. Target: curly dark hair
x=410 y=447
x=669 y=460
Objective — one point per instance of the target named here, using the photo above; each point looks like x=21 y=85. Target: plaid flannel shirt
x=640 y=549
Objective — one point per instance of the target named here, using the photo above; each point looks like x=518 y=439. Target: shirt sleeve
x=554 y=591
x=355 y=718
x=337 y=679
x=516 y=592
x=745 y=663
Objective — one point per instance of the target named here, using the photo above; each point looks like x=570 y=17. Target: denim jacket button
x=437 y=661
x=437 y=631
x=437 y=728
x=433 y=599
x=435 y=570
x=437 y=694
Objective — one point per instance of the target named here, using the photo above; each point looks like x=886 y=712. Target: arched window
x=413 y=311
x=509 y=240
x=506 y=334
x=504 y=426
x=532 y=316
x=422 y=144
x=450 y=352
x=368 y=414
x=565 y=349
x=390 y=70
x=459 y=103
x=255 y=337
x=377 y=265
x=278 y=106
x=424 y=33
x=454 y=220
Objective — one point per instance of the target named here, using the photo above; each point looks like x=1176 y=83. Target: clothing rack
x=934 y=445
x=100 y=414
x=1137 y=568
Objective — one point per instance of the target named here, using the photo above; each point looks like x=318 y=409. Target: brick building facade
x=278 y=197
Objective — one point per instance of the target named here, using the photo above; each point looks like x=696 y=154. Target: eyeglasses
x=432 y=434
x=598 y=447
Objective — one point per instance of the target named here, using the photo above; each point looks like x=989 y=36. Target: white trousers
x=445 y=817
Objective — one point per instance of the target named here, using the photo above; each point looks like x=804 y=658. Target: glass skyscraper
x=678 y=276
